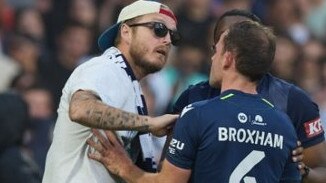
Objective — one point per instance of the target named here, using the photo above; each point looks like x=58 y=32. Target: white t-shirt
x=67 y=159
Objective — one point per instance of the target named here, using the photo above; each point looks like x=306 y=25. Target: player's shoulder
x=280 y=87
x=199 y=86
x=276 y=83
x=202 y=91
x=207 y=104
x=193 y=107
x=281 y=84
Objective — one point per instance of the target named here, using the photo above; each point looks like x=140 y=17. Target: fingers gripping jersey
x=303 y=112
x=236 y=137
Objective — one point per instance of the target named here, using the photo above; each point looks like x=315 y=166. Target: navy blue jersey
x=303 y=112
x=235 y=137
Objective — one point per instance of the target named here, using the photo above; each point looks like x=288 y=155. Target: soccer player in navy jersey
x=303 y=112
x=236 y=137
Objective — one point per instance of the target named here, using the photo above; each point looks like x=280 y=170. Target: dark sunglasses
x=161 y=30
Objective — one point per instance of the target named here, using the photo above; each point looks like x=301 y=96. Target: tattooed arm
x=87 y=109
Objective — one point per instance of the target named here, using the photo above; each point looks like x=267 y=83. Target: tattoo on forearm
x=112 y=118
x=102 y=116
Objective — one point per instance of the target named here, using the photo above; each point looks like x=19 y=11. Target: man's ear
x=126 y=33
x=229 y=59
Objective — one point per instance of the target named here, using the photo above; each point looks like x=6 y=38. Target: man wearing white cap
x=104 y=93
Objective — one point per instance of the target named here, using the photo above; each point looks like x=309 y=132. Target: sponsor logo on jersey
x=186 y=109
x=175 y=144
x=242 y=117
x=258 y=120
x=313 y=127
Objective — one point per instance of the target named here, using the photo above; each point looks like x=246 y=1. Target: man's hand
x=110 y=153
x=162 y=125
x=297 y=157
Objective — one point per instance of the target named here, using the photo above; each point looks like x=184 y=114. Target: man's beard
x=147 y=66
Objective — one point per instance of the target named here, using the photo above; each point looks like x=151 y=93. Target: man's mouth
x=162 y=52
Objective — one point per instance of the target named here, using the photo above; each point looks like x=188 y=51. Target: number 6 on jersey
x=245 y=166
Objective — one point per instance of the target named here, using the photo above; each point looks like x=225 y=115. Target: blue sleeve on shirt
x=183 y=146
x=305 y=115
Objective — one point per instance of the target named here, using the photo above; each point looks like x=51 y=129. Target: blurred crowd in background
x=42 y=41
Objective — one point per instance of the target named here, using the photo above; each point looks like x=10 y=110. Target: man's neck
x=238 y=82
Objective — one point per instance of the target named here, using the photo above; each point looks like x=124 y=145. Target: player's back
x=241 y=138
x=303 y=112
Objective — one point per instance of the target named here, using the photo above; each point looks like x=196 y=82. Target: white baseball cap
x=138 y=8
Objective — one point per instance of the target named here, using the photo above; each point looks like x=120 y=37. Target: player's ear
x=228 y=59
